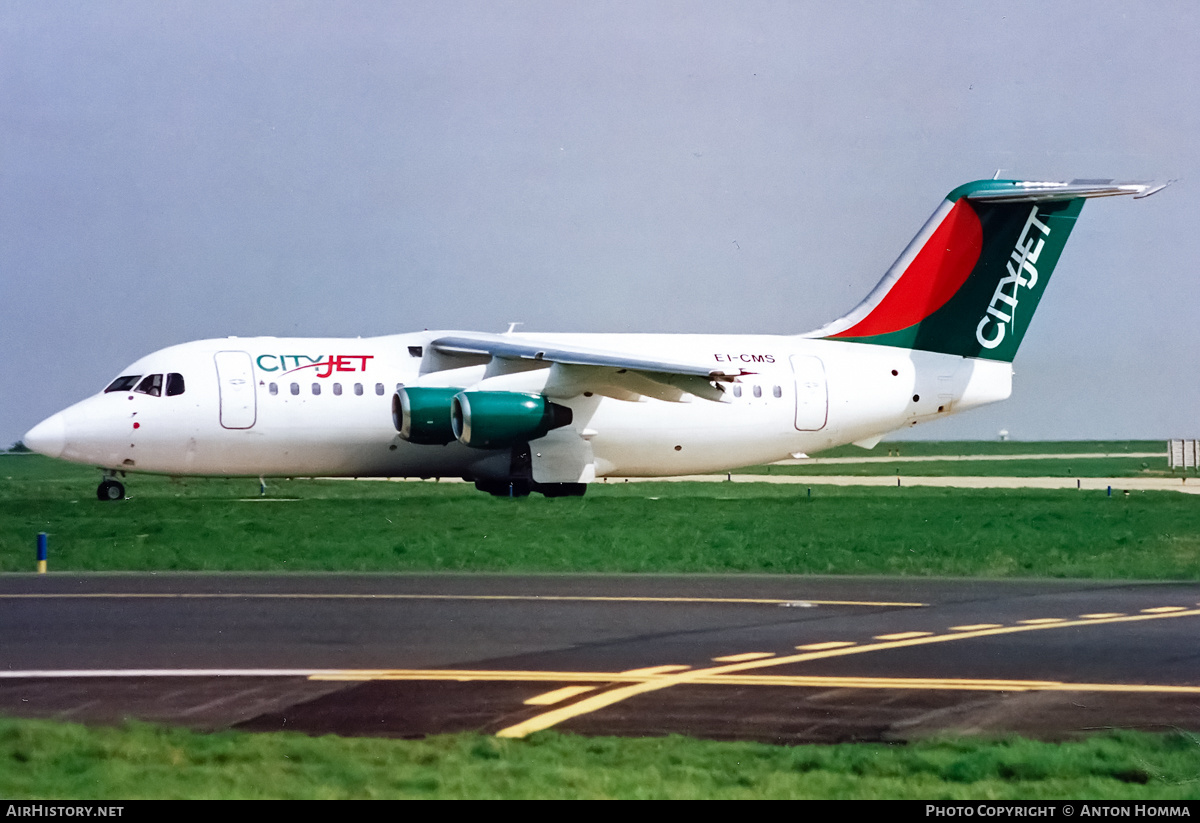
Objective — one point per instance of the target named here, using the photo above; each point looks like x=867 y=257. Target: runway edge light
x=41 y=564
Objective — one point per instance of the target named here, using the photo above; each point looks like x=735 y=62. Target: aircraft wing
x=575 y=369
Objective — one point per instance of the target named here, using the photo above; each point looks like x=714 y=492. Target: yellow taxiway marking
x=738 y=658
x=596 y=702
x=1102 y=615
x=754 y=601
x=469 y=675
x=902 y=635
x=1042 y=621
x=637 y=676
x=796 y=681
x=975 y=627
x=940 y=684
x=833 y=644
x=651 y=671
x=558 y=695
x=1164 y=610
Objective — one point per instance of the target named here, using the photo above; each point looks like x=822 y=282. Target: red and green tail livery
x=968 y=284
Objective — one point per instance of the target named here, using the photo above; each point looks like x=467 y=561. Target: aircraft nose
x=48 y=437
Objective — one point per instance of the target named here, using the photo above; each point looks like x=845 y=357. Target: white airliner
x=552 y=412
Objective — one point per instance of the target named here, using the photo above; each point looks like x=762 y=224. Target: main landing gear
x=522 y=488
x=520 y=482
x=110 y=488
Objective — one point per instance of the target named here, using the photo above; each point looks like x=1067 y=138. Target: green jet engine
x=498 y=419
x=422 y=414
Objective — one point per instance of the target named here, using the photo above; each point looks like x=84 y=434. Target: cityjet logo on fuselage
x=324 y=364
x=1003 y=308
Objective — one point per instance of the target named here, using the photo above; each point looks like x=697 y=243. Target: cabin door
x=812 y=396
x=235 y=381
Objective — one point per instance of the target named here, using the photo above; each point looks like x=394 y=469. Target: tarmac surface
x=773 y=658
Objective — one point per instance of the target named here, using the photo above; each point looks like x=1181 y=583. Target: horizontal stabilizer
x=1022 y=191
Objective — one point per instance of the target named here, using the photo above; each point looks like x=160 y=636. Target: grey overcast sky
x=175 y=170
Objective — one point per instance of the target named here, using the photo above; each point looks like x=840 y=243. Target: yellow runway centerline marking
x=738 y=658
x=976 y=627
x=603 y=700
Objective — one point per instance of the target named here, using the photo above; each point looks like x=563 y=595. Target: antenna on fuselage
x=512 y=326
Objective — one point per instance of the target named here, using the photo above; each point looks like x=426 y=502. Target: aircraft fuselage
x=323 y=406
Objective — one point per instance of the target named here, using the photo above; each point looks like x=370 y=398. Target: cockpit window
x=174 y=384
x=123 y=383
x=151 y=384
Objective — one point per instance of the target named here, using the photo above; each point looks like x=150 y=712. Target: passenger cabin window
x=737 y=391
x=273 y=388
x=358 y=388
x=316 y=388
x=151 y=384
x=295 y=388
x=123 y=383
x=174 y=384
x=777 y=391
x=758 y=391
x=379 y=389
x=337 y=389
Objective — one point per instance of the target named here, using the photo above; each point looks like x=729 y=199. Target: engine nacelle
x=498 y=419
x=422 y=414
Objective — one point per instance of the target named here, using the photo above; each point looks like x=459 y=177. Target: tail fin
x=969 y=282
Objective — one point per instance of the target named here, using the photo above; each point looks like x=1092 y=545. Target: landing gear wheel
x=110 y=489
x=561 y=489
x=504 y=488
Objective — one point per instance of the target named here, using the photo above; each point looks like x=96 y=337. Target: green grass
x=342 y=525
x=41 y=760
x=218 y=524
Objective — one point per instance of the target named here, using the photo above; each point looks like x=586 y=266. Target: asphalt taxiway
x=772 y=658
